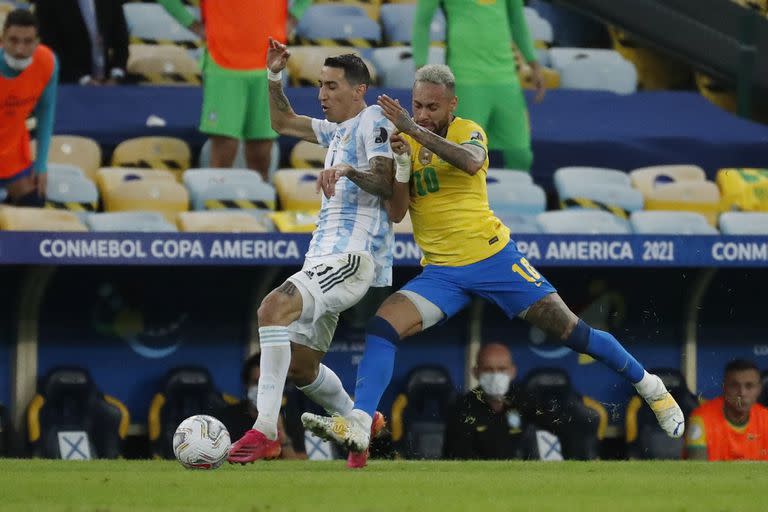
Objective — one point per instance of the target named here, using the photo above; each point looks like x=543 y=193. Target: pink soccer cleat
x=358 y=460
x=253 y=446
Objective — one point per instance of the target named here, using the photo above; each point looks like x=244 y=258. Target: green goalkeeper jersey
x=479 y=38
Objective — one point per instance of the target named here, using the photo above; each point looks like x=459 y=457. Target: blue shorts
x=4 y=182
x=506 y=279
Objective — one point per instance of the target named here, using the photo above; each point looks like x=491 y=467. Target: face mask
x=495 y=384
x=17 y=64
x=253 y=392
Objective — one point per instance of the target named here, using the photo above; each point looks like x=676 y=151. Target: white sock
x=362 y=418
x=275 y=360
x=327 y=392
x=649 y=386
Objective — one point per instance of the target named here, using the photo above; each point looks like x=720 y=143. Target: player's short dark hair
x=252 y=362
x=740 y=365
x=21 y=18
x=355 y=70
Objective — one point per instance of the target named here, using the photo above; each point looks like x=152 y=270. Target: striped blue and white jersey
x=354 y=220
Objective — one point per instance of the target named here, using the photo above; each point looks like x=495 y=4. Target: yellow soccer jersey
x=452 y=222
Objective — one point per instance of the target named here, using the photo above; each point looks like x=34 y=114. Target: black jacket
x=63 y=29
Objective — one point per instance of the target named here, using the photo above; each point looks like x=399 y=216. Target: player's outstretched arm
x=284 y=120
x=466 y=157
x=377 y=181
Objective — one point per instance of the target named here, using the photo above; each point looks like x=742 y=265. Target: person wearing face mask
x=29 y=76
x=239 y=417
x=487 y=422
x=732 y=426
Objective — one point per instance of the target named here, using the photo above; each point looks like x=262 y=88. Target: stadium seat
x=670 y=223
x=296 y=189
x=69 y=418
x=539 y=28
x=294 y=221
x=129 y=222
x=223 y=222
x=655 y=70
x=619 y=200
x=395 y=65
x=397 y=21
x=744 y=223
x=646 y=179
x=197 y=180
x=166 y=197
x=507 y=177
x=371 y=7
x=592 y=222
x=67 y=191
x=599 y=175
x=150 y=23
x=716 y=91
x=108 y=178
x=65 y=171
x=162 y=65
x=240 y=163
x=553 y=405
x=186 y=391
x=306 y=62
x=36 y=219
x=236 y=196
x=594 y=69
x=743 y=189
x=153 y=153
x=694 y=196
x=306 y=155
x=645 y=439
x=520 y=199
x=337 y=25
x=420 y=412
x=81 y=152
x=518 y=223
x=405 y=226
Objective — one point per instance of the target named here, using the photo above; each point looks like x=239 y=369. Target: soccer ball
x=201 y=442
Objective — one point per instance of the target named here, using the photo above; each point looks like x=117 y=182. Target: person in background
x=732 y=426
x=235 y=92
x=480 y=35
x=29 y=77
x=90 y=37
x=239 y=417
x=487 y=423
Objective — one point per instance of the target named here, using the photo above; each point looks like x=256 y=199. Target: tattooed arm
x=466 y=157
x=377 y=181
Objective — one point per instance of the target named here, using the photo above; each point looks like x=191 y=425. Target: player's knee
x=382 y=328
x=274 y=310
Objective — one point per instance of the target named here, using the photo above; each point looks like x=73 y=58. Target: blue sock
x=375 y=370
x=605 y=348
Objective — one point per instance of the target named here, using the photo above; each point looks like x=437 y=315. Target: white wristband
x=275 y=77
x=403 y=168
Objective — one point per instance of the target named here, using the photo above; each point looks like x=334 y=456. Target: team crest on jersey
x=380 y=135
x=476 y=135
x=425 y=156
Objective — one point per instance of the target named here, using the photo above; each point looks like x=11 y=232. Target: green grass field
x=102 y=486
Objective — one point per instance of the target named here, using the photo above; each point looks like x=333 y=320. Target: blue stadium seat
x=129 y=222
x=594 y=69
x=395 y=65
x=744 y=223
x=576 y=175
x=198 y=180
x=235 y=195
x=337 y=25
x=151 y=23
x=539 y=28
x=397 y=20
x=617 y=199
x=519 y=199
x=507 y=177
x=670 y=223
x=64 y=170
x=520 y=223
x=71 y=192
x=593 y=222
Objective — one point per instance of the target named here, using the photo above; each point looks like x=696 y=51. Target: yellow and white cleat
x=668 y=413
x=347 y=431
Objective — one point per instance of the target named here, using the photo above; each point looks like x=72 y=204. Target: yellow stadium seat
x=163 y=65
x=645 y=179
x=717 y=93
x=153 y=153
x=744 y=189
x=296 y=189
x=693 y=196
x=371 y=7
x=220 y=222
x=655 y=70
x=37 y=219
x=108 y=178
x=82 y=152
x=306 y=61
x=295 y=221
x=167 y=197
x=306 y=155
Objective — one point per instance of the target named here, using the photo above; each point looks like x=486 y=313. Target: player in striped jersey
x=351 y=248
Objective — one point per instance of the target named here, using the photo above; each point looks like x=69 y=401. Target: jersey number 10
x=426 y=181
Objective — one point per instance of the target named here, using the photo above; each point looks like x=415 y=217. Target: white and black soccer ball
x=201 y=442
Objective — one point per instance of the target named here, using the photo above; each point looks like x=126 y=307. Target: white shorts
x=328 y=286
